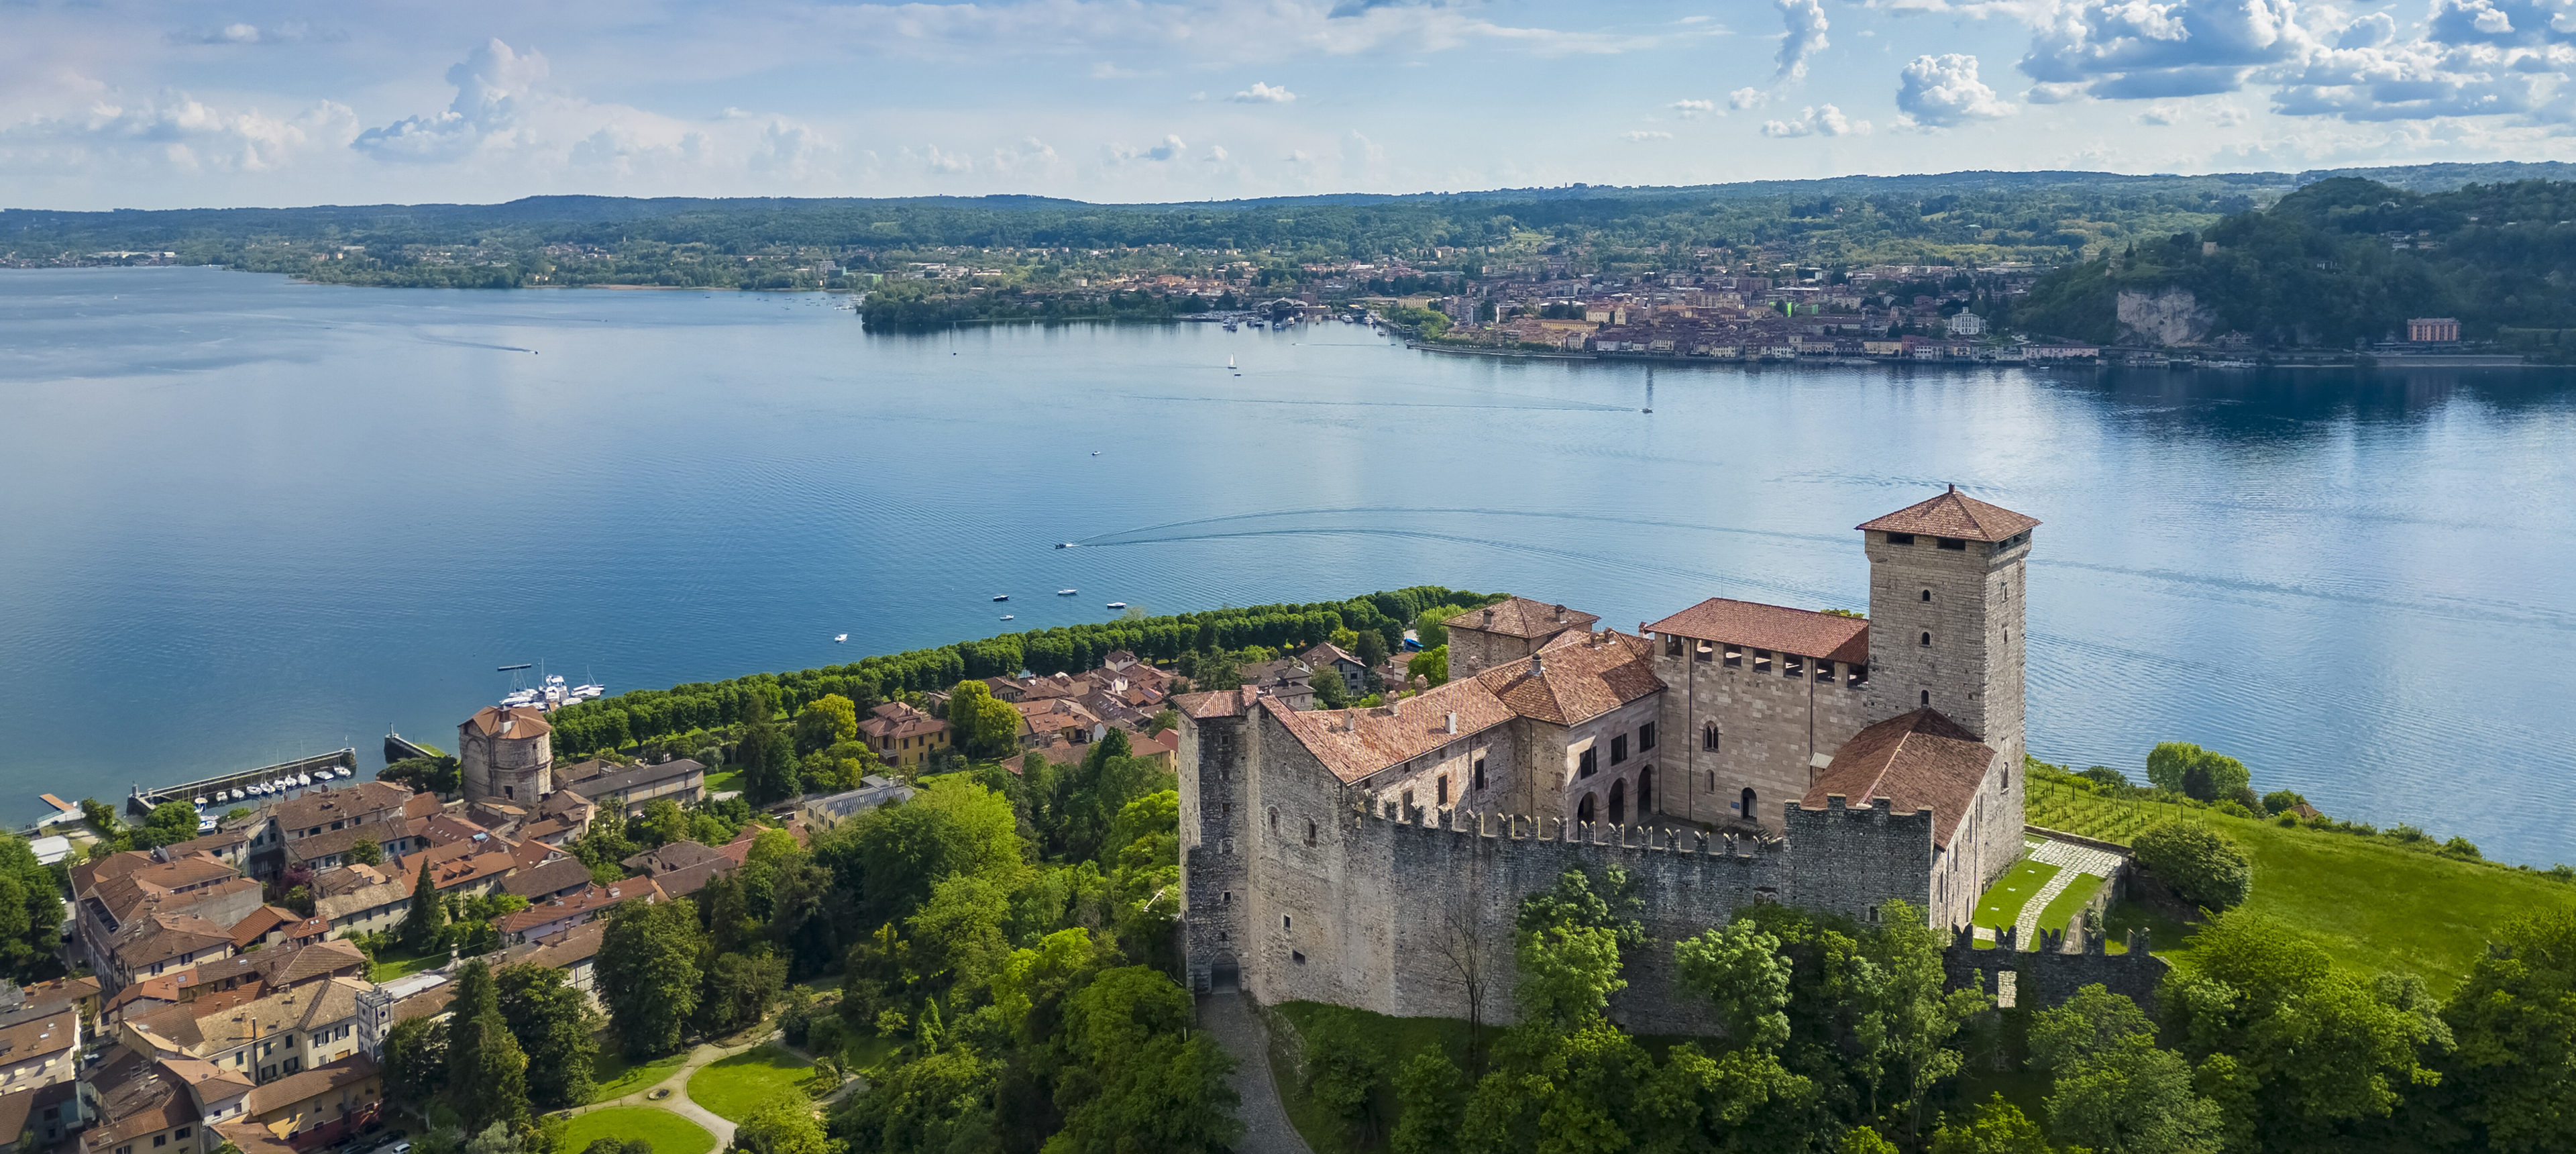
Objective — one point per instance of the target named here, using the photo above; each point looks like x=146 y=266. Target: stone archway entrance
x=1583 y=812
x=1618 y=803
x=1226 y=974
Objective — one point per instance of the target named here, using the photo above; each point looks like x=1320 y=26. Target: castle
x=1729 y=754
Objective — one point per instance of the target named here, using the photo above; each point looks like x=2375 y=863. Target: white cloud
x=1805 y=24
x=1298 y=156
x=1261 y=93
x=2229 y=115
x=1941 y=91
x=493 y=85
x=1170 y=147
x=1819 y=120
x=1690 y=109
x=2137 y=49
x=789 y=151
x=1215 y=154
x=1743 y=98
x=2161 y=114
x=1643 y=134
x=1105 y=70
x=2368 y=32
x=173 y=132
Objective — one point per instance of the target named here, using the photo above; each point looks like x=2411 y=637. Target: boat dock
x=400 y=748
x=142 y=799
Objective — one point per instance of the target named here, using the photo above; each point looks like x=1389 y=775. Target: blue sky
x=119 y=104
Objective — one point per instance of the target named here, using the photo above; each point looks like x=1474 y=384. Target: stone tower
x=506 y=754
x=1217 y=798
x=1945 y=615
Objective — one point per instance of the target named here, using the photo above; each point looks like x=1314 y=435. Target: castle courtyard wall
x=1771 y=727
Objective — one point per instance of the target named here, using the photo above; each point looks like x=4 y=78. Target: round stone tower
x=506 y=754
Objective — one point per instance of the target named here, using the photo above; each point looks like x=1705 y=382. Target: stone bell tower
x=1945 y=615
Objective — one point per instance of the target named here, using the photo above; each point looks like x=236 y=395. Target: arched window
x=1274 y=819
x=1927 y=697
x=1310 y=831
x=1927 y=594
x=1748 y=804
x=1708 y=738
x=1645 y=792
x=1927 y=639
x=1618 y=803
x=1583 y=812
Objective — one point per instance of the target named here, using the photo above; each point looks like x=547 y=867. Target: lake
x=247 y=520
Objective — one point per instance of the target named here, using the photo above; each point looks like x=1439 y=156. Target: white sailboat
x=1229 y=360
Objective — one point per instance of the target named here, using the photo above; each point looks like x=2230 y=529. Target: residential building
x=825 y=812
x=903 y=736
x=39 y=1047
x=562 y=914
x=626 y=788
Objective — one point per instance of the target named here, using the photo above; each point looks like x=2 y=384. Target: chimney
x=1538 y=664
x=1453 y=724
x=1560 y=615
x=1489 y=617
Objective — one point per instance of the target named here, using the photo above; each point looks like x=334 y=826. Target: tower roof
x=1953 y=514
x=515 y=722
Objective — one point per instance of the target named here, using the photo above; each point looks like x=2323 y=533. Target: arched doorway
x=1646 y=794
x=1226 y=974
x=1583 y=812
x=1618 y=803
x=1748 y=804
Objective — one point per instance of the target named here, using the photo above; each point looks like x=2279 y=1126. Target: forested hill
x=2347 y=259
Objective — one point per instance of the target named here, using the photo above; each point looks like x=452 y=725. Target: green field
x=2001 y=906
x=731 y=1088
x=2068 y=902
x=617 y=1078
x=668 y=1132
x=2376 y=905
x=392 y=964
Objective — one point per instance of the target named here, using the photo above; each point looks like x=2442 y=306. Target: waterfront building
x=506 y=753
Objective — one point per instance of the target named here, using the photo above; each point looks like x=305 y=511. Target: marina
x=282 y=779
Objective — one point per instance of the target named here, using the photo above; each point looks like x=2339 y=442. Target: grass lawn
x=2378 y=907
x=668 y=1132
x=1397 y=1038
x=2003 y=901
x=731 y=1088
x=2069 y=902
x=863 y=1051
x=618 y=1078
x=392 y=964
x=723 y=782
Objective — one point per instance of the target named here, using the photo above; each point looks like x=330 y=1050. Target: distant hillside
x=2341 y=260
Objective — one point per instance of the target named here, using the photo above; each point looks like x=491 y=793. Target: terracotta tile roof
x=260 y=921
x=367 y=801
x=677 y=855
x=1577 y=677
x=524 y=721
x=422 y=804
x=686 y=880
x=162 y=937
x=1915 y=760
x=589 y=903
x=1800 y=631
x=546 y=880
x=1522 y=617
x=304 y=1084
x=1953 y=514
x=279 y=969
x=212 y=843
x=900 y=721
x=37 y=1037
x=89 y=875
x=1214 y=703
x=1354 y=743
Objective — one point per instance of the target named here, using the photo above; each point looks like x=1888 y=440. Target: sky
x=199 y=103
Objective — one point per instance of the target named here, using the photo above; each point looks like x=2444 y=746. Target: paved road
x=1228 y=1016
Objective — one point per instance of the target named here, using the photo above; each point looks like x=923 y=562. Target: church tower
x=1945 y=615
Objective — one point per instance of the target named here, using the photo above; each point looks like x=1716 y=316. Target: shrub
x=2105 y=776
x=2282 y=801
x=2461 y=848
x=2199 y=864
x=2232 y=808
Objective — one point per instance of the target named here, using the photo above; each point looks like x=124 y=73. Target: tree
x=604 y=845
x=661 y=824
x=768 y=763
x=365 y=851
x=826 y=721
x=1343 y=1067
x=1429 y=1107
x=1741 y=969
x=648 y=973
x=31 y=913
x=427 y=918
x=2198 y=773
x=739 y=989
x=618 y=1146
x=555 y=1027
x=170 y=823
x=1373 y=649
x=1431 y=628
x=982 y=725
x=487 y=1072
x=1140 y=1085
x=435 y=774
x=1568 y=943
x=782 y=1125
x=2514 y=1023
x=416 y=1059
x=2114 y=1091
x=1909 y=1009
x=891 y=856
x=2200 y=865
x=1431 y=665
x=1997 y=1127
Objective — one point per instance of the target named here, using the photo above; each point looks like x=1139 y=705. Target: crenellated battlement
x=1509 y=827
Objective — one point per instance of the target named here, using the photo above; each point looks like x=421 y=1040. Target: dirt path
x=1228 y=1017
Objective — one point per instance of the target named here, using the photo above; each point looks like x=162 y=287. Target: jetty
x=400 y=748
x=143 y=798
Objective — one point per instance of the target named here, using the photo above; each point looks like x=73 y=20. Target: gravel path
x=1228 y=1016
x=679 y=1103
x=2071 y=860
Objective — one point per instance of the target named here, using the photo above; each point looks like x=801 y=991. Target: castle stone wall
x=1770 y=729
x=1216 y=887
x=2053 y=973
x=1972 y=667
x=1851 y=860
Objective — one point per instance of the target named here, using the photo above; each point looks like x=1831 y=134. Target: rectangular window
x=1734 y=657
x=159 y=1140
x=1900 y=538
x=1589 y=763
x=1952 y=544
x=1672 y=645
x=1480 y=773
x=1824 y=671
x=1792 y=665
x=1618 y=749
x=1762 y=661
x=1444 y=789
x=183 y=1132
x=1645 y=737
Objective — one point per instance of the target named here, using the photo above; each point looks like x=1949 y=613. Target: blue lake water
x=243 y=519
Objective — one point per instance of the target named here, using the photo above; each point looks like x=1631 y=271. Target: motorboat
x=1006 y=617
x=1095 y=452
x=1066 y=592
x=201 y=803
x=586 y=692
x=306 y=778
x=1001 y=597
x=1117 y=604
x=1068 y=545
x=837 y=638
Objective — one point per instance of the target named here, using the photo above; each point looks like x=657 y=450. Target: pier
x=143 y=799
x=400 y=748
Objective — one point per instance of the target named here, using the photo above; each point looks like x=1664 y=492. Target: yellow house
x=903 y=736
